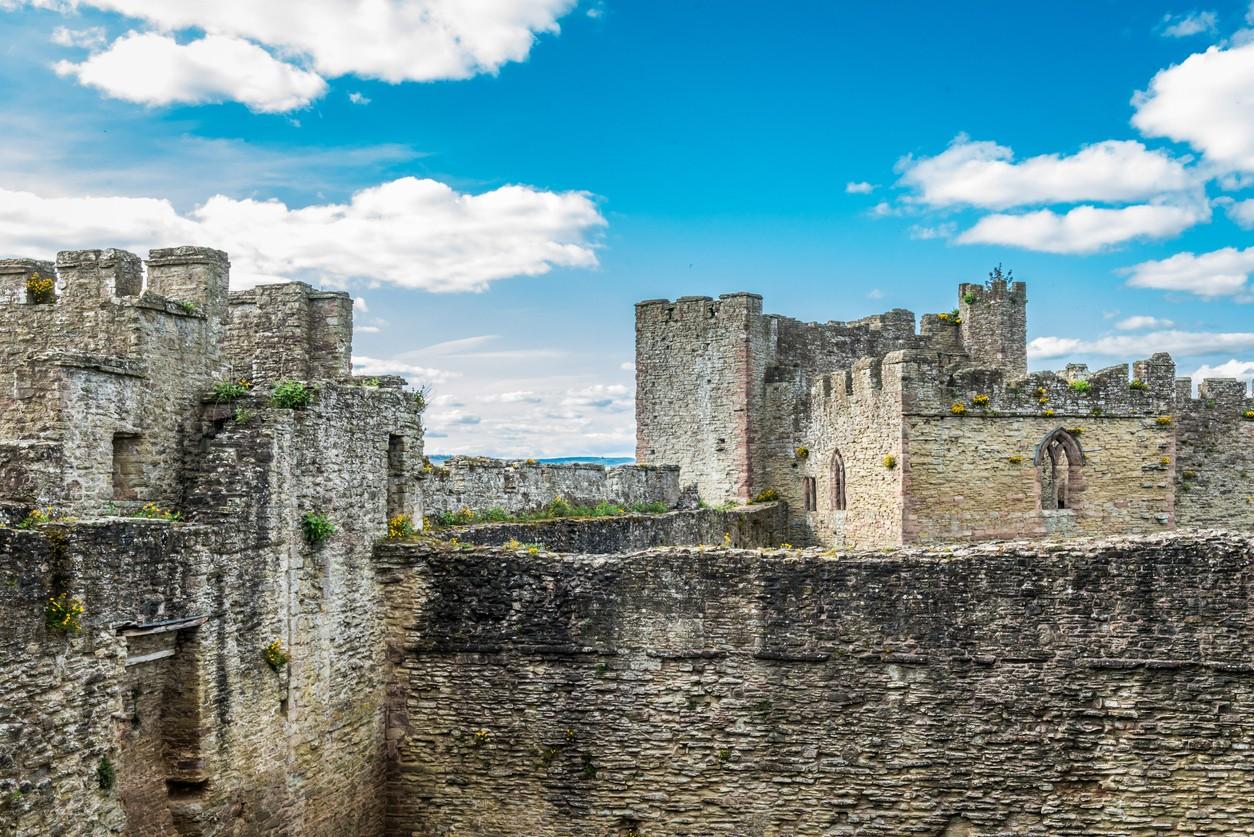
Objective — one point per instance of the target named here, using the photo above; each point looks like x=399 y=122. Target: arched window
x=838 y=481
x=1058 y=460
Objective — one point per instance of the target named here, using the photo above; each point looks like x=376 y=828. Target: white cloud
x=1136 y=323
x=358 y=98
x=364 y=365
x=89 y=38
x=1085 y=229
x=1179 y=343
x=1241 y=213
x=983 y=174
x=627 y=366
x=408 y=232
x=154 y=69
x=1240 y=369
x=600 y=397
x=859 y=188
x=925 y=233
x=545 y=419
x=366 y=329
x=392 y=40
x=516 y=397
x=1186 y=25
x=359 y=305
x=1218 y=273
x=1207 y=100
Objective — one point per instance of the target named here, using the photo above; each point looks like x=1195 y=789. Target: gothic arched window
x=1058 y=460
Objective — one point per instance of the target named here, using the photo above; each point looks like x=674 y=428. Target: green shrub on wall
x=275 y=656
x=317 y=527
x=64 y=615
x=291 y=394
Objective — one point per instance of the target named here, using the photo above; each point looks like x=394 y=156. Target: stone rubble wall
x=700 y=364
x=712 y=375
x=1091 y=687
x=478 y=483
x=205 y=738
x=107 y=358
x=746 y=527
x=1215 y=455
x=994 y=324
x=858 y=415
x=69 y=702
x=289 y=330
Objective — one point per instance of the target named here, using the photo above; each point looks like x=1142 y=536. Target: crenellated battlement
x=108 y=354
x=823 y=412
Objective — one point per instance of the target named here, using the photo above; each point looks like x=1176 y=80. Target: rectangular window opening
x=812 y=493
x=397 y=489
x=128 y=469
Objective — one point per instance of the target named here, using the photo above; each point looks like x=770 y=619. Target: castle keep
x=877 y=435
x=218 y=620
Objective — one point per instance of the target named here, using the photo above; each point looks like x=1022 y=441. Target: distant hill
x=608 y=461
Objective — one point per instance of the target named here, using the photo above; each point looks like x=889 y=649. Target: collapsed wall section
x=1087 y=688
x=478 y=483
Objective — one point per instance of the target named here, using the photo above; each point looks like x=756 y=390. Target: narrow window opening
x=838 y=482
x=396 y=475
x=811 y=490
x=128 y=470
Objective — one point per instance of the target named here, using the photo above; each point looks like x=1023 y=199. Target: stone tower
x=995 y=325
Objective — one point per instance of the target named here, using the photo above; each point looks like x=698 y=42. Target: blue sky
x=499 y=200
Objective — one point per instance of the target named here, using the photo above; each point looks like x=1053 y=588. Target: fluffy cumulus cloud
x=860 y=187
x=416 y=233
x=1241 y=369
x=1241 y=213
x=1178 y=343
x=1136 y=323
x=984 y=174
x=1207 y=101
x=1219 y=273
x=491 y=397
x=1084 y=229
x=392 y=40
x=1188 y=25
x=154 y=69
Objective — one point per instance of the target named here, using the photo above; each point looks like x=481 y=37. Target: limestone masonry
x=877 y=435
x=236 y=598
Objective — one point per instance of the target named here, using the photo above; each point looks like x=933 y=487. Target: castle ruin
x=878 y=436
x=217 y=618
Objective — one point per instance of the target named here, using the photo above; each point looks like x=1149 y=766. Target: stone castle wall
x=745 y=527
x=479 y=483
x=107 y=366
x=1215 y=455
x=966 y=444
x=1070 y=689
x=721 y=387
x=699 y=370
x=168 y=679
x=854 y=423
